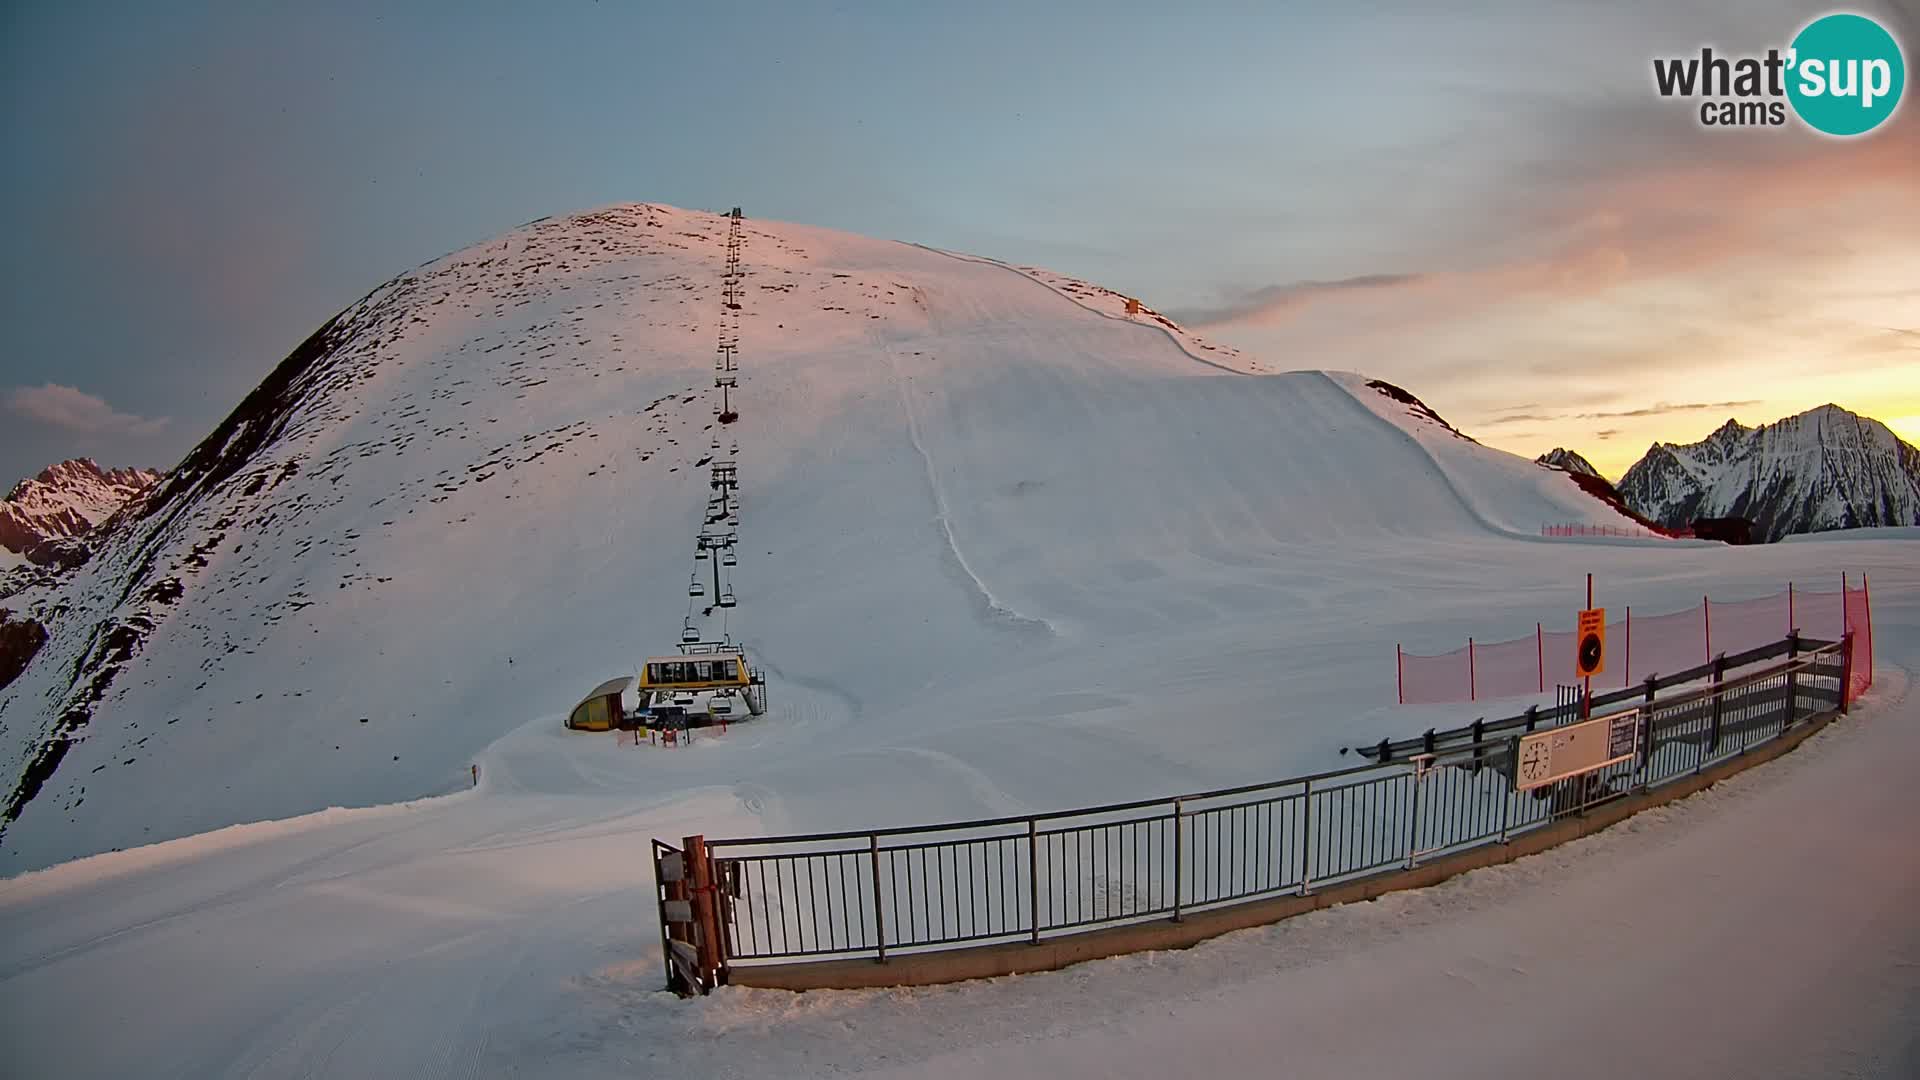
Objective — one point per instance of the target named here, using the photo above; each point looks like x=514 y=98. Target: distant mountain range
x=66 y=501
x=1826 y=468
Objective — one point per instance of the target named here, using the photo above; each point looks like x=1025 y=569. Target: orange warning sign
x=1590 y=643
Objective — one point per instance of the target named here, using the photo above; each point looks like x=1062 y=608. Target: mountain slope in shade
x=1568 y=460
x=67 y=500
x=1826 y=468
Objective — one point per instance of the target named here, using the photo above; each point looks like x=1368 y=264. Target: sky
x=1489 y=205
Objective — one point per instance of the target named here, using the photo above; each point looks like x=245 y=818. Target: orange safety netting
x=1640 y=647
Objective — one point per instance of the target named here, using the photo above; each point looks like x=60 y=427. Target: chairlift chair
x=688 y=635
x=700 y=553
x=696 y=588
x=729 y=559
x=726 y=598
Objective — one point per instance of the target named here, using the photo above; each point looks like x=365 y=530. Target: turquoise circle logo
x=1847 y=74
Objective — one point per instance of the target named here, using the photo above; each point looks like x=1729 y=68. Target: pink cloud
x=77 y=410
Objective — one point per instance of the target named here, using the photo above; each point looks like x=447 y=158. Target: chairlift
x=729 y=559
x=726 y=598
x=700 y=553
x=696 y=589
x=688 y=635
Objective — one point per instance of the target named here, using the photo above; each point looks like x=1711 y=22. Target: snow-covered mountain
x=966 y=488
x=1825 y=468
x=67 y=500
x=1571 y=461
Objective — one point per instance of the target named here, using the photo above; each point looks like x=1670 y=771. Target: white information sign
x=1557 y=753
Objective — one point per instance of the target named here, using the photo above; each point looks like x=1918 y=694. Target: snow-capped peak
x=1568 y=460
x=1826 y=468
x=66 y=500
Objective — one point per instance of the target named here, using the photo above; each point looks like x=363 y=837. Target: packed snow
x=1004 y=551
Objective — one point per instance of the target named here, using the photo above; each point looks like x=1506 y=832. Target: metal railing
x=1535 y=717
x=883 y=892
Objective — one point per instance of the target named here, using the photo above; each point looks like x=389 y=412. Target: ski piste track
x=1206 y=632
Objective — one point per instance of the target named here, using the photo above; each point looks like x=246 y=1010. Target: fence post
x=1793 y=680
x=1473 y=692
x=1646 y=735
x=700 y=891
x=1513 y=774
x=1533 y=716
x=1179 y=861
x=1713 y=729
x=1413 y=815
x=879 y=918
x=1033 y=880
x=1846 y=668
x=1706 y=621
x=1306 y=838
x=660 y=889
x=1866 y=603
x=1479 y=733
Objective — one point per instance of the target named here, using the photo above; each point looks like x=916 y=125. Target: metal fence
x=884 y=892
x=1565 y=709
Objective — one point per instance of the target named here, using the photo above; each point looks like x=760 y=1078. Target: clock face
x=1535 y=760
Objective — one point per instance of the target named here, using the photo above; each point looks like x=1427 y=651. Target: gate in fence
x=880 y=894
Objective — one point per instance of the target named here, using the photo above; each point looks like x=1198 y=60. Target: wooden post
x=705 y=917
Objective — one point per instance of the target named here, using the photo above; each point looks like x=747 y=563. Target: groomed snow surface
x=1019 y=555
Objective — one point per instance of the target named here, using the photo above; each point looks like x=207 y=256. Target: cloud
x=77 y=410
x=1606 y=433
x=1274 y=300
x=1662 y=409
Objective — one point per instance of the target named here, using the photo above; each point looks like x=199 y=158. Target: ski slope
x=973 y=496
x=1004 y=550
x=1761 y=929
